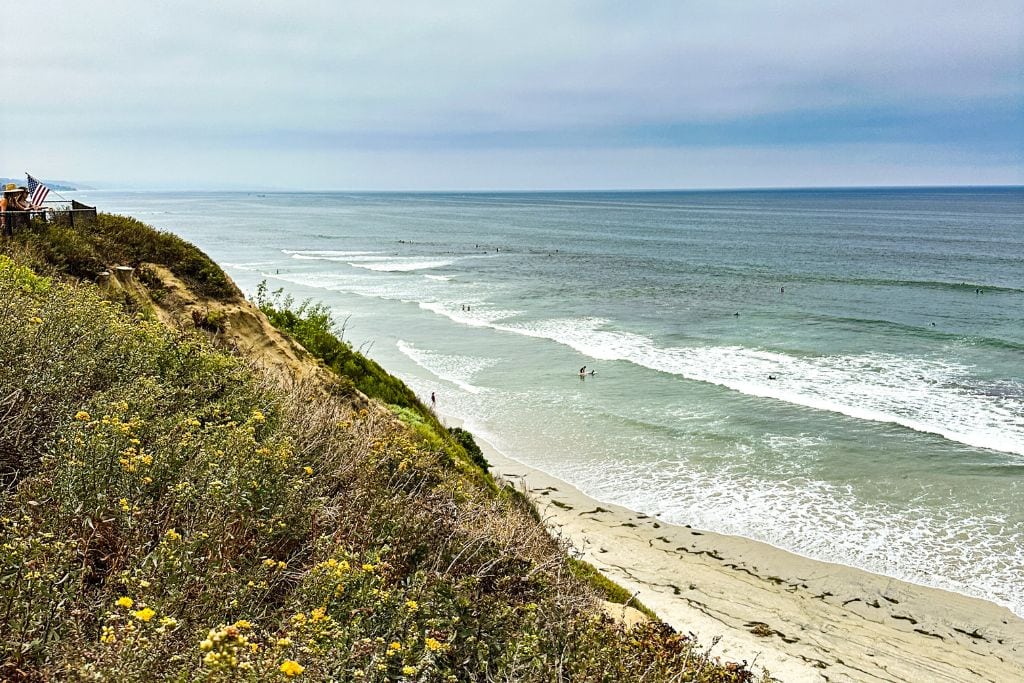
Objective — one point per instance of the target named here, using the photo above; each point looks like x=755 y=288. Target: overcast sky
x=513 y=95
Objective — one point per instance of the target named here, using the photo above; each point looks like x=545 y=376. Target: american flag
x=37 y=191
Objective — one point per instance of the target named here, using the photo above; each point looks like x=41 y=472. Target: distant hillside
x=58 y=185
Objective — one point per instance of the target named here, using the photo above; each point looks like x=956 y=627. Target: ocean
x=839 y=373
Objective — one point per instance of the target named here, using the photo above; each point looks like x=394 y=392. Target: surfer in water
x=583 y=371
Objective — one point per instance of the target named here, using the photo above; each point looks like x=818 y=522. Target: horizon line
x=753 y=188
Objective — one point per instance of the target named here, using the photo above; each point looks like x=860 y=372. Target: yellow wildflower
x=206 y=645
x=172 y=535
x=284 y=642
x=367 y=567
x=243 y=623
x=82 y=416
x=37 y=320
x=145 y=614
x=412 y=605
x=433 y=645
x=394 y=647
x=125 y=601
x=408 y=670
x=169 y=622
x=144 y=584
x=291 y=668
x=258 y=416
x=307 y=470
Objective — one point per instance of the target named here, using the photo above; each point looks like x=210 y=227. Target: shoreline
x=798 y=618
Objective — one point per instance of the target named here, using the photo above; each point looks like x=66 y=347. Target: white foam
x=478 y=315
x=439 y=278
x=400 y=264
x=966 y=547
x=926 y=395
x=368 y=285
x=315 y=254
x=456 y=369
x=923 y=543
x=255 y=265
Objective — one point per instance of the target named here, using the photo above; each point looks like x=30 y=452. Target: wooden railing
x=71 y=214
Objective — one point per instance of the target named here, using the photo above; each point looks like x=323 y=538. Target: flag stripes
x=37 y=191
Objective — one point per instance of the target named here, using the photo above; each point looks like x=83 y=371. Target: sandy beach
x=800 y=619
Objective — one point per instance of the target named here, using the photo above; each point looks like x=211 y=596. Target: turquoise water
x=891 y=437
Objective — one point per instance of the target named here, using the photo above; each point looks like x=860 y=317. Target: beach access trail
x=803 y=619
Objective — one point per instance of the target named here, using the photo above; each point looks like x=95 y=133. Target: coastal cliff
x=191 y=493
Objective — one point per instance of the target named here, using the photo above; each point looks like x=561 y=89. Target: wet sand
x=801 y=619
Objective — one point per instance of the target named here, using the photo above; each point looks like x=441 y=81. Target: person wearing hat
x=9 y=190
x=14 y=199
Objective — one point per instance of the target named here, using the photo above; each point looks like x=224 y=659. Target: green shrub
x=312 y=326
x=605 y=587
x=468 y=443
x=211 y=320
x=85 y=252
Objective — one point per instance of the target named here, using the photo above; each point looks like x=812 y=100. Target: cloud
x=190 y=77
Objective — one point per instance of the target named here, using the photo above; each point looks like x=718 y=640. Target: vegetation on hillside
x=126 y=241
x=311 y=325
x=171 y=513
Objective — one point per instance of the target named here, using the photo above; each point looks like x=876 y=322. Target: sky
x=514 y=95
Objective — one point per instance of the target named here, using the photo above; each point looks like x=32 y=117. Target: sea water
x=839 y=373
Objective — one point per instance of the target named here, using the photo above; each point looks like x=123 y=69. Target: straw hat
x=11 y=187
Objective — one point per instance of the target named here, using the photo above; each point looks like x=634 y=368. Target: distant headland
x=58 y=185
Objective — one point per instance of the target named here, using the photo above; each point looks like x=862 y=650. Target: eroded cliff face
x=235 y=323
